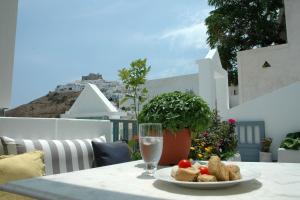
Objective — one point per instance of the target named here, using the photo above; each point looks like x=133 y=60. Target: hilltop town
x=62 y=98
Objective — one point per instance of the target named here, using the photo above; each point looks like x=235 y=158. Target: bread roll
x=186 y=174
x=206 y=178
x=234 y=172
x=218 y=169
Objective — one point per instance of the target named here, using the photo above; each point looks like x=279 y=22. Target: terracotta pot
x=176 y=146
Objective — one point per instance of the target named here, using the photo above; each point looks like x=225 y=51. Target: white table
x=126 y=181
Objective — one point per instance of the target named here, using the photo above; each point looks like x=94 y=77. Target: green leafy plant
x=134 y=79
x=176 y=111
x=291 y=141
x=219 y=139
x=265 y=144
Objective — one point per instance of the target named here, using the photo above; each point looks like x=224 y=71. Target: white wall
x=46 y=128
x=170 y=84
x=284 y=59
x=8 y=21
x=213 y=81
x=280 y=110
x=233 y=100
x=233 y=96
x=254 y=80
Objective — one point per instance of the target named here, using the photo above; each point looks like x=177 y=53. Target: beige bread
x=196 y=165
x=206 y=178
x=234 y=172
x=186 y=174
x=218 y=169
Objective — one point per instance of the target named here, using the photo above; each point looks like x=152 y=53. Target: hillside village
x=62 y=98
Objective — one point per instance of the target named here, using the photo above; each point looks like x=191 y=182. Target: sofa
x=65 y=142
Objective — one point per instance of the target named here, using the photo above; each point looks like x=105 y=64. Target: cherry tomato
x=184 y=164
x=203 y=170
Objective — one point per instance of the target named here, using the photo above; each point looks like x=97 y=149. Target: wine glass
x=151 y=145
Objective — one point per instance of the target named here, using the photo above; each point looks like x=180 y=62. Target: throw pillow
x=110 y=153
x=22 y=166
x=60 y=155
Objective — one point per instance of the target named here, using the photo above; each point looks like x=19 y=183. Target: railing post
x=125 y=130
x=115 y=130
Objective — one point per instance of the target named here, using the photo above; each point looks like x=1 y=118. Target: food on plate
x=218 y=169
x=184 y=164
x=234 y=172
x=206 y=178
x=203 y=170
x=186 y=174
x=213 y=172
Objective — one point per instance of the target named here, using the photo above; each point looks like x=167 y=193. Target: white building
x=113 y=90
x=8 y=22
x=91 y=103
x=211 y=82
x=254 y=79
x=70 y=87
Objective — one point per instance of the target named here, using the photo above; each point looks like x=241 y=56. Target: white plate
x=165 y=175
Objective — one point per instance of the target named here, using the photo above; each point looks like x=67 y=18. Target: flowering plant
x=219 y=139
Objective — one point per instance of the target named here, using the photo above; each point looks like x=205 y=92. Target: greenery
x=291 y=141
x=134 y=79
x=219 y=139
x=134 y=148
x=265 y=144
x=237 y=25
x=176 y=111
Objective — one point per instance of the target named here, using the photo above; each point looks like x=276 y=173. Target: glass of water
x=151 y=145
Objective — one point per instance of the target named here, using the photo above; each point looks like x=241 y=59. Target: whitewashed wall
x=213 y=81
x=284 y=59
x=279 y=109
x=48 y=128
x=8 y=21
x=175 y=83
x=233 y=96
x=254 y=80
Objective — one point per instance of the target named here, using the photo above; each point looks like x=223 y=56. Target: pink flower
x=205 y=134
x=231 y=121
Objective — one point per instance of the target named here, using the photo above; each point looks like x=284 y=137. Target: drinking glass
x=151 y=145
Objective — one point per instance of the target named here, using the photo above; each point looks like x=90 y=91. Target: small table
x=128 y=181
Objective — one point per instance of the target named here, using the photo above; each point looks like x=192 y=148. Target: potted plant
x=265 y=155
x=289 y=150
x=180 y=114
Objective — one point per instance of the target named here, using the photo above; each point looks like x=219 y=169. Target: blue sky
x=58 y=41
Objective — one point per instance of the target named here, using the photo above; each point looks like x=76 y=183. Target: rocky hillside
x=49 y=106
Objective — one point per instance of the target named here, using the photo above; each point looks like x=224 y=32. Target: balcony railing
x=124 y=129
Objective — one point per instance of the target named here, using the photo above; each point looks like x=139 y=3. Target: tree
x=237 y=25
x=134 y=79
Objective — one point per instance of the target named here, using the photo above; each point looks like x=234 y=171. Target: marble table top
x=128 y=181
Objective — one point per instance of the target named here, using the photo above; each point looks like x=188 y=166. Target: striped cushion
x=60 y=155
